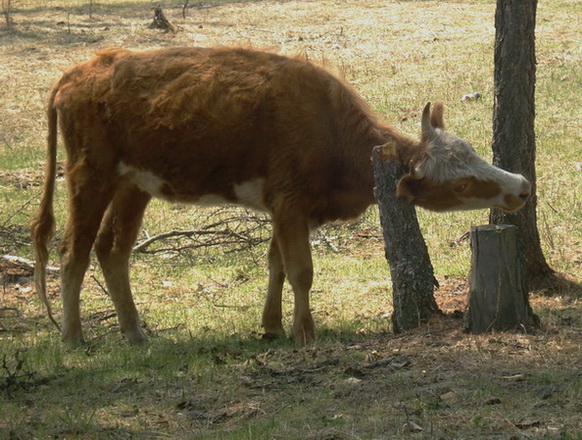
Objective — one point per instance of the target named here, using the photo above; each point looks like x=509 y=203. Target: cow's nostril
x=525 y=190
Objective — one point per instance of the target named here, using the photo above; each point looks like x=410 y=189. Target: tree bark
x=412 y=273
x=514 y=144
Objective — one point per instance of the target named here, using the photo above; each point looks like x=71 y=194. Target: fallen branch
x=242 y=230
x=142 y=247
x=23 y=263
x=222 y=235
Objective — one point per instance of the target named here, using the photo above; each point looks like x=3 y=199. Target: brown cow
x=212 y=126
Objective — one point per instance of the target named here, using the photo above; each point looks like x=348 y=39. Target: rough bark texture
x=514 y=144
x=498 y=298
x=412 y=273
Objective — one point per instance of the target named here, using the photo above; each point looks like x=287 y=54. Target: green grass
x=206 y=373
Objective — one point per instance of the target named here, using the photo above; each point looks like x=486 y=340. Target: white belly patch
x=248 y=194
x=143 y=179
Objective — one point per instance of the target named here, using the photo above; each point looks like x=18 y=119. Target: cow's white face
x=452 y=177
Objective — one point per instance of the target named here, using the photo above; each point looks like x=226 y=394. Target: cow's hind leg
x=88 y=200
x=292 y=235
x=272 y=313
x=115 y=240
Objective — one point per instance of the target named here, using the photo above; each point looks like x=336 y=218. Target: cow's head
x=449 y=176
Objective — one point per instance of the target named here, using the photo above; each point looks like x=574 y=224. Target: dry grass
x=206 y=373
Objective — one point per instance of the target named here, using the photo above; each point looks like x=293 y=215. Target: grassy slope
x=206 y=374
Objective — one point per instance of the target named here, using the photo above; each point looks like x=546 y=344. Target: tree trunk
x=7 y=10
x=513 y=124
x=410 y=267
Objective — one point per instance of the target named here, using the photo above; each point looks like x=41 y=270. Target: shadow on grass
x=201 y=384
x=557 y=284
x=127 y=7
x=183 y=385
x=73 y=25
x=147 y=386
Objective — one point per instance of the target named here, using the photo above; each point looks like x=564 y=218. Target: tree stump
x=498 y=297
x=161 y=22
x=410 y=267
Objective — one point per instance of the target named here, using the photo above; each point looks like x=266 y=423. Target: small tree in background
x=7 y=11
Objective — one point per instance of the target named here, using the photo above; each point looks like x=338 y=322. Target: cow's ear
x=425 y=123
x=408 y=187
x=437 y=119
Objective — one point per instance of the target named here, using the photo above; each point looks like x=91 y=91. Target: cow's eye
x=460 y=188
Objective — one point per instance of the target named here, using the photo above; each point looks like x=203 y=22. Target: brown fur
x=186 y=123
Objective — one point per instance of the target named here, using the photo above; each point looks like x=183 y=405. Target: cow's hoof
x=271 y=336
x=136 y=336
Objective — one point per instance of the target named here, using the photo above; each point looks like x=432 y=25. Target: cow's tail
x=43 y=224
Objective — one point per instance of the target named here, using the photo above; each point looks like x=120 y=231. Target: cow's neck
x=407 y=150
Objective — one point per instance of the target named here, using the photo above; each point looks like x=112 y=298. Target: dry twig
x=225 y=231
